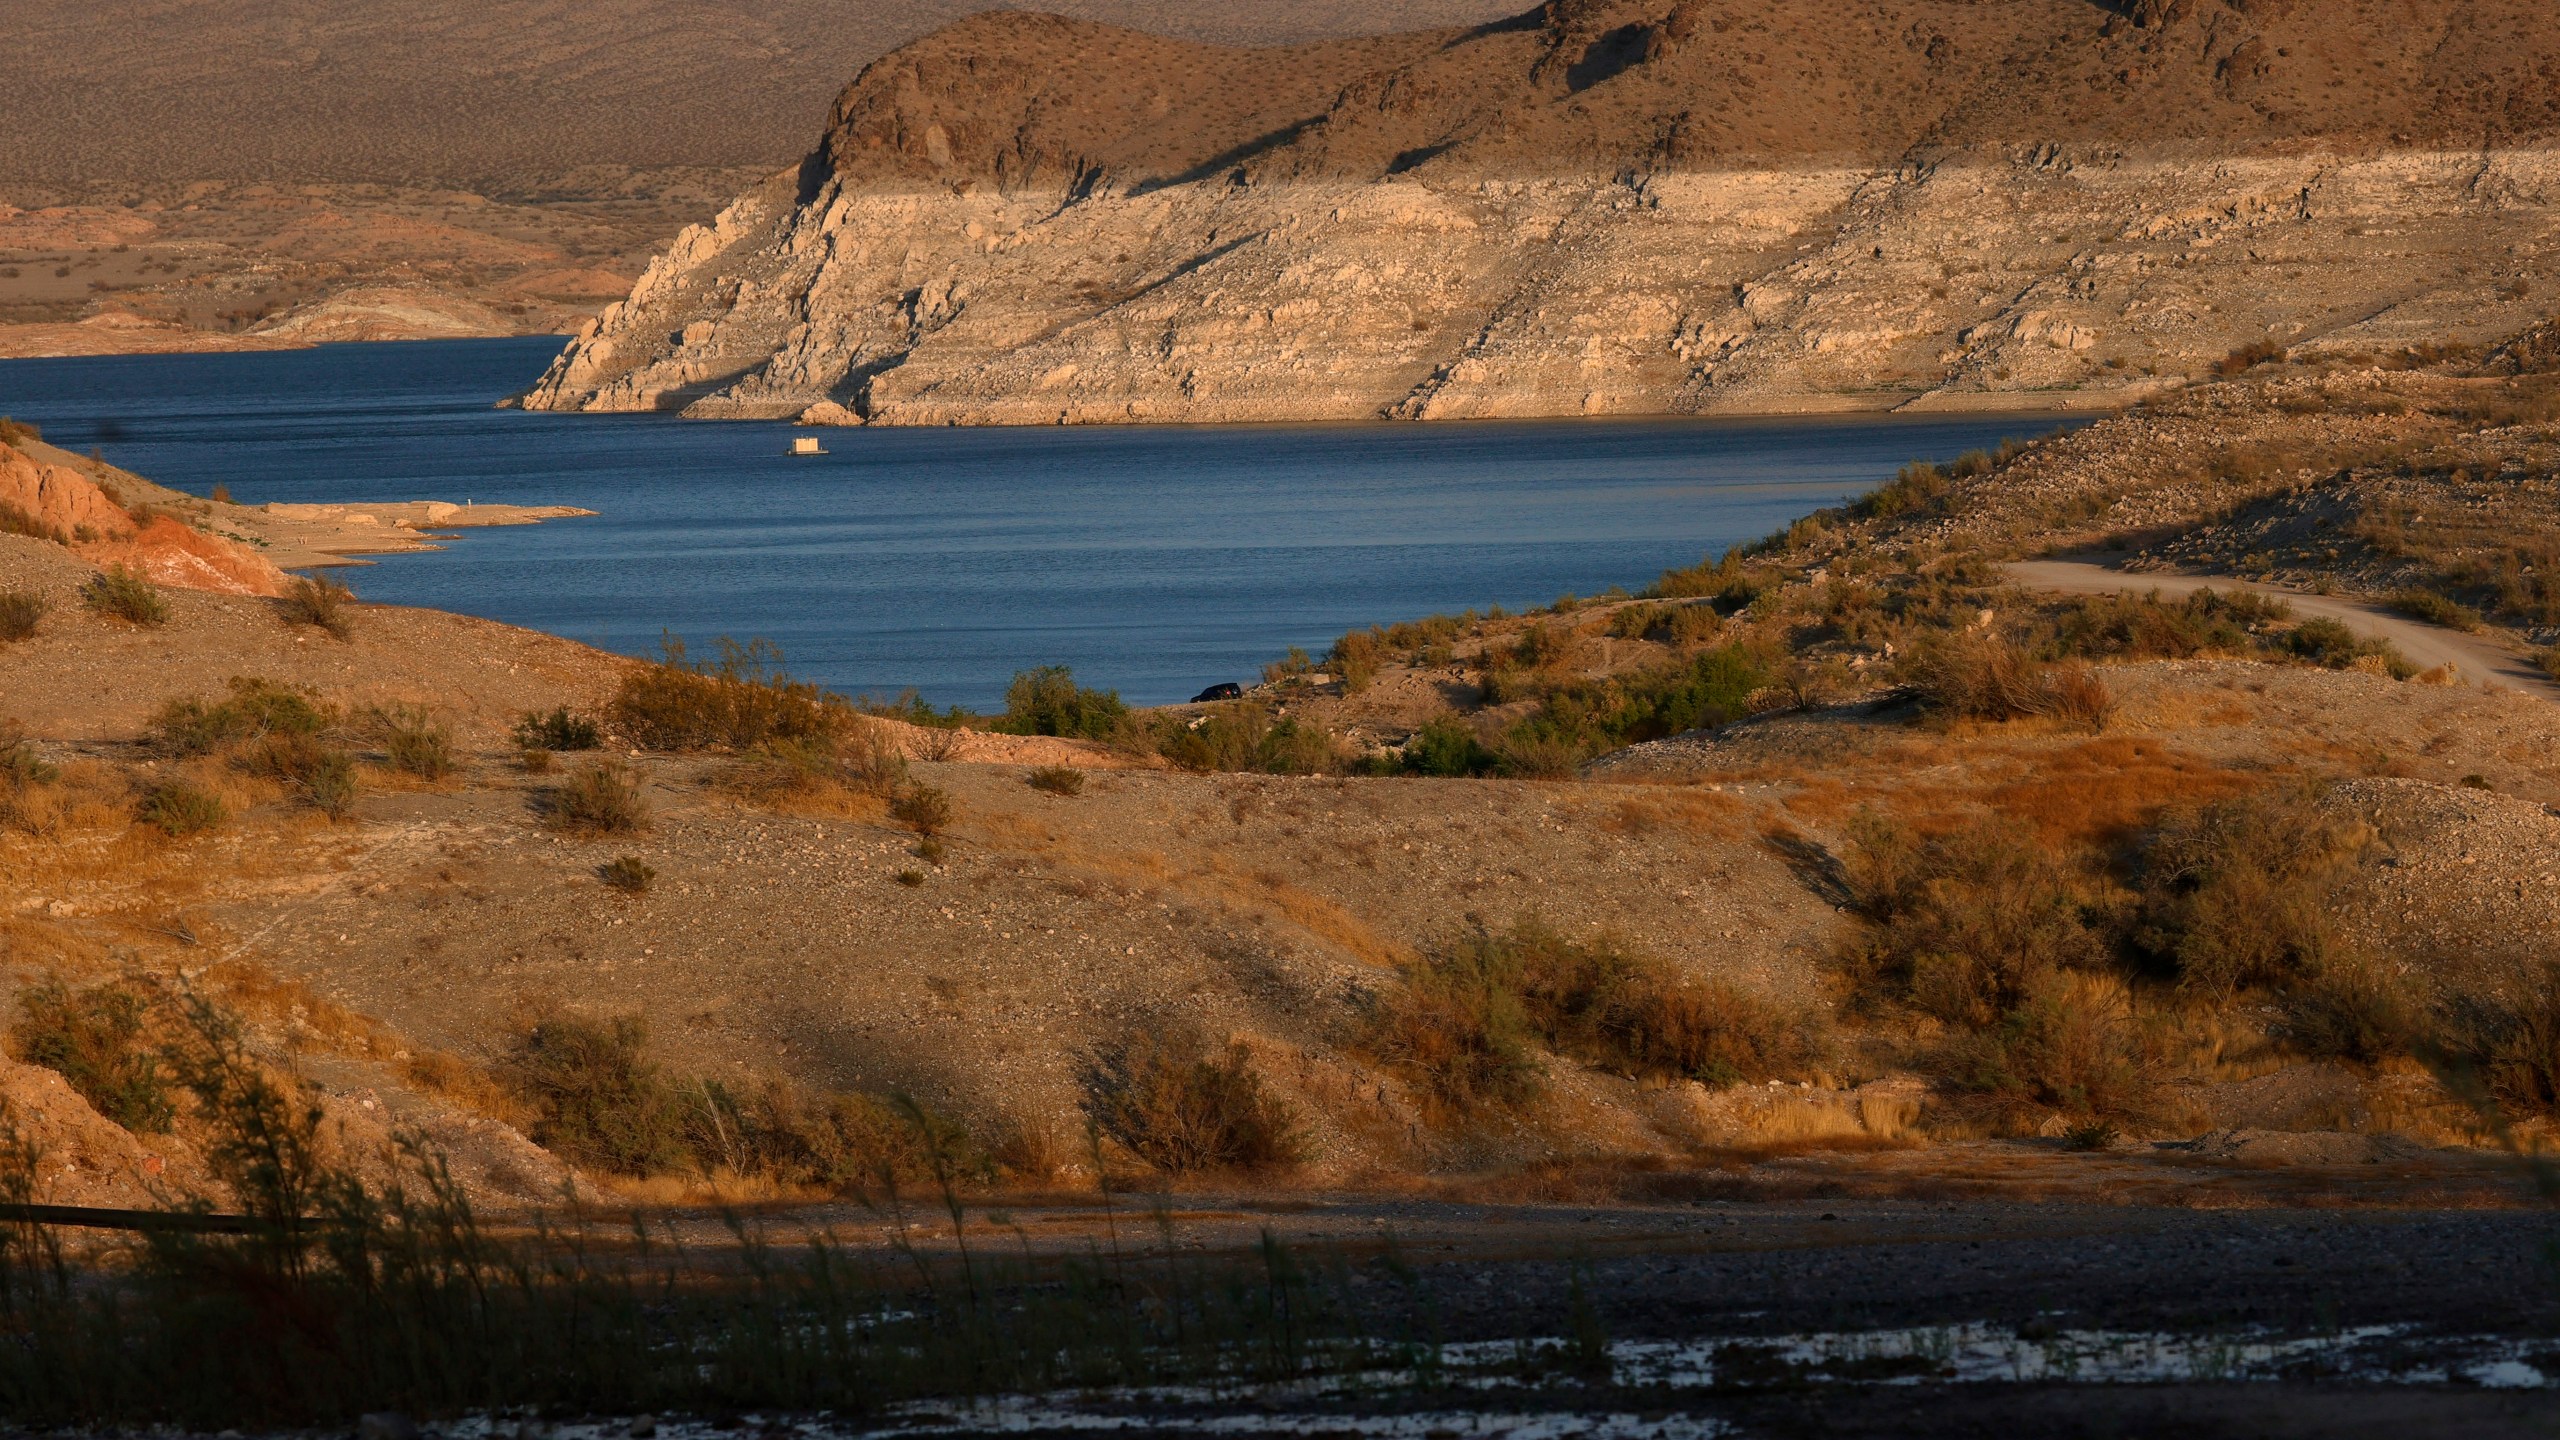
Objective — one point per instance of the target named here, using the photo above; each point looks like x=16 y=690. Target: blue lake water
x=1152 y=559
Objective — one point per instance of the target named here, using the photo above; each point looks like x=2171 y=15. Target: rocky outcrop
x=58 y=503
x=1611 y=207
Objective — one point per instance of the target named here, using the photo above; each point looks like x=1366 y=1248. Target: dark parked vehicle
x=1223 y=690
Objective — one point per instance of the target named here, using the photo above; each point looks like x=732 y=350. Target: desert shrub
x=1638 y=1015
x=331 y=784
x=1966 y=925
x=20 y=612
x=123 y=594
x=1710 y=689
x=179 y=808
x=2330 y=644
x=16 y=521
x=20 y=765
x=95 y=1039
x=627 y=873
x=17 y=432
x=599 y=798
x=1356 y=658
x=533 y=760
x=325 y=603
x=2237 y=893
x=2547 y=660
x=840 y=1142
x=2349 y=1008
x=1918 y=489
x=414 y=741
x=740 y=700
x=2130 y=627
x=1048 y=701
x=561 y=729
x=1527 y=754
x=1444 y=746
x=1056 y=780
x=925 y=809
x=596 y=1096
x=2070 y=1043
x=909 y=878
x=1990 y=677
x=1243 y=736
x=254 y=708
x=1458 y=1027
x=2435 y=609
x=1186 y=1108
x=2249 y=357
x=325 y=775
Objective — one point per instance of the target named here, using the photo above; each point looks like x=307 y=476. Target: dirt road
x=2427 y=646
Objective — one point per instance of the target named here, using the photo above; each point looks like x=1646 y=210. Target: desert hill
x=1611 y=206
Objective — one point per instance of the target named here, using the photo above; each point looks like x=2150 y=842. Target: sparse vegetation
x=597 y=1097
x=20 y=612
x=124 y=594
x=319 y=602
x=2435 y=609
x=255 y=708
x=1244 y=736
x=98 y=1040
x=599 y=798
x=1186 y=1108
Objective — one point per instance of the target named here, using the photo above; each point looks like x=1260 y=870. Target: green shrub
x=179 y=808
x=1710 y=689
x=331 y=784
x=1637 y=1015
x=1056 y=780
x=740 y=700
x=2329 y=643
x=254 y=708
x=95 y=1040
x=123 y=594
x=600 y=798
x=627 y=873
x=1919 y=489
x=20 y=612
x=1242 y=736
x=597 y=1098
x=2069 y=1044
x=1444 y=746
x=1047 y=701
x=1187 y=1109
x=1357 y=658
x=2130 y=627
x=561 y=729
x=327 y=604
x=1458 y=1028
x=2435 y=609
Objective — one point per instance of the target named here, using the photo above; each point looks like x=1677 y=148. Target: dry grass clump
x=1056 y=780
x=15 y=521
x=1186 y=1108
x=20 y=612
x=319 y=602
x=600 y=798
x=180 y=808
x=2146 y=627
x=1469 y=1020
x=815 y=770
x=2435 y=609
x=97 y=1040
x=119 y=593
x=741 y=700
x=324 y=775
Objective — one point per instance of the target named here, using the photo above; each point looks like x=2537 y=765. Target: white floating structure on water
x=806 y=445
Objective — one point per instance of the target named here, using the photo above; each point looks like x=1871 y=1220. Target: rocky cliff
x=1615 y=206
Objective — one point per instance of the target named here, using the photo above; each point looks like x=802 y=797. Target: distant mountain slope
x=490 y=93
x=1615 y=205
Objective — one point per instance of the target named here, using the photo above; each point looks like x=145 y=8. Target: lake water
x=1155 y=560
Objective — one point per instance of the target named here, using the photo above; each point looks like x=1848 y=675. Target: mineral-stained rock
x=1612 y=206
x=58 y=498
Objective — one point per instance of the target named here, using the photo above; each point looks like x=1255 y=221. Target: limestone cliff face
x=1611 y=207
